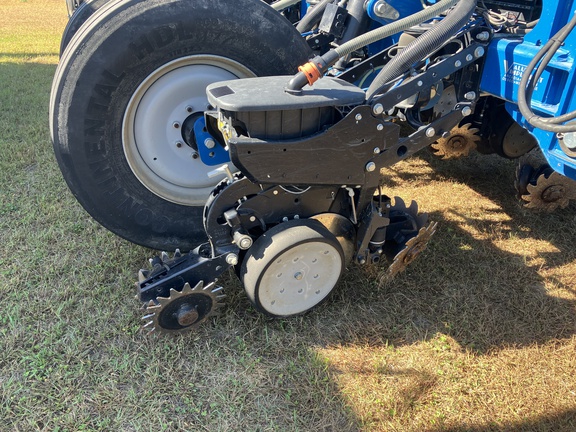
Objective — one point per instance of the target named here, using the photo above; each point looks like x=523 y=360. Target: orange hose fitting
x=311 y=71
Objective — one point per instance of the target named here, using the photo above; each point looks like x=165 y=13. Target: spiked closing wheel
x=550 y=193
x=407 y=235
x=414 y=247
x=458 y=143
x=540 y=187
x=183 y=310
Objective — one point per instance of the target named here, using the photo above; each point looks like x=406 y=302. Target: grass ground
x=478 y=335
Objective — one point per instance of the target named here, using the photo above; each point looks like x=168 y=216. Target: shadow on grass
x=482 y=296
x=563 y=421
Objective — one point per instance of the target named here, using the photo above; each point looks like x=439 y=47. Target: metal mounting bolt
x=470 y=95
x=189 y=109
x=209 y=143
x=445 y=134
x=176 y=125
x=380 y=127
x=420 y=83
x=370 y=166
x=242 y=240
x=361 y=259
x=252 y=218
x=358 y=117
x=479 y=52
x=376 y=109
x=195 y=155
x=383 y=10
x=376 y=150
x=457 y=63
x=178 y=144
x=430 y=132
x=466 y=111
x=232 y=259
x=245 y=243
x=483 y=36
x=469 y=57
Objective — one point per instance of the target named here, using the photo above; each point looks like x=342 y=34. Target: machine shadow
x=471 y=289
x=483 y=297
x=476 y=289
x=562 y=421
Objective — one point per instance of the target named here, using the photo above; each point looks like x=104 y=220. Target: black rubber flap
x=267 y=94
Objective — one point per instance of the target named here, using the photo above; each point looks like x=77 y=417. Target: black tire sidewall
x=79 y=17
x=105 y=64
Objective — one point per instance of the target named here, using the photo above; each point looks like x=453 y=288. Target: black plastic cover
x=267 y=94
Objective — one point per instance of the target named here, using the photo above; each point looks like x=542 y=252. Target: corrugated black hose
x=423 y=46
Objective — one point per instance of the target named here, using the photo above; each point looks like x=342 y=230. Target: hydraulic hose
x=283 y=4
x=529 y=81
x=356 y=22
x=312 y=17
x=423 y=46
x=316 y=68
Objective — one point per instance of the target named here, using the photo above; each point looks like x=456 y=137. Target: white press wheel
x=292 y=268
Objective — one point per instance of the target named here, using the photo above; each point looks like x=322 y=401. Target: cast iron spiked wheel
x=459 y=143
x=541 y=188
x=414 y=247
x=408 y=235
x=183 y=310
x=550 y=192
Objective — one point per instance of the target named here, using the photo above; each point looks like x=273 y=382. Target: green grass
x=478 y=335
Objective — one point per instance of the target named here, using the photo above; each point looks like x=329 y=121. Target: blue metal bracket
x=210 y=151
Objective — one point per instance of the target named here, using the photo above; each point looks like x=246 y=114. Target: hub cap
x=152 y=126
x=299 y=278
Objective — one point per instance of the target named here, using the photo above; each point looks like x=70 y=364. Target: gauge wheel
x=292 y=268
x=131 y=78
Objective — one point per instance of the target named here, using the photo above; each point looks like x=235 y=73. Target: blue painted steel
x=506 y=61
x=214 y=156
x=404 y=7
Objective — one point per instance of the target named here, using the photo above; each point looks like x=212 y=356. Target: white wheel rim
x=299 y=278
x=150 y=139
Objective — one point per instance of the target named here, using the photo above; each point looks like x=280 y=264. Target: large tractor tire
x=128 y=80
x=79 y=16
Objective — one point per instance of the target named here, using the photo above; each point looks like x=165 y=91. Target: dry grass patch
x=436 y=385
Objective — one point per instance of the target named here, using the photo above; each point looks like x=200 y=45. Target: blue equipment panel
x=508 y=57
